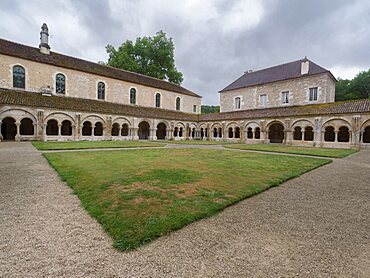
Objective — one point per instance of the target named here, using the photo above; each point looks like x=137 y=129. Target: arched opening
x=66 y=129
x=343 y=134
x=257 y=133
x=329 y=135
x=231 y=132
x=249 y=133
x=276 y=133
x=180 y=131
x=98 y=129
x=115 y=129
x=86 y=129
x=297 y=134
x=193 y=132
x=215 y=133
x=206 y=132
x=161 y=131
x=143 y=131
x=366 y=135
x=220 y=132
x=26 y=127
x=8 y=129
x=52 y=128
x=308 y=133
x=202 y=132
x=237 y=132
x=124 y=130
x=176 y=132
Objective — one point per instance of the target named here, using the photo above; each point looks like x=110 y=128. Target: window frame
x=239 y=106
x=285 y=97
x=194 y=108
x=135 y=96
x=24 y=76
x=97 y=90
x=315 y=94
x=65 y=83
x=160 y=100
x=178 y=103
x=263 y=104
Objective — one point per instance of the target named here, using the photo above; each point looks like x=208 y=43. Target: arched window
x=231 y=132
x=175 y=131
x=101 y=90
x=201 y=132
x=220 y=132
x=66 y=129
x=180 y=132
x=26 y=127
x=157 y=100
x=237 y=132
x=329 y=135
x=86 y=129
x=366 y=135
x=343 y=134
x=215 y=132
x=237 y=103
x=178 y=103
x=115 y=129
x=19 y=77
x=308 y=133
x=250 y=133
x=257 y=133
x=98 y=130
x=132 y=96
x=124 y=130
x=52 y=127
x=60 y=84
x=297 y=134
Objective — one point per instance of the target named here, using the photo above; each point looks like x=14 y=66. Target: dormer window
x=313 y=94
x=237 y=103
x=19 y=77
x=60 y=84
x=285 y=97
x=101 y=90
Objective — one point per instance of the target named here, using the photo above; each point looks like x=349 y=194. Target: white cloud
x=346 y=72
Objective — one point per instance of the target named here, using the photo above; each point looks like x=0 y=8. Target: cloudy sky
x=215 y=40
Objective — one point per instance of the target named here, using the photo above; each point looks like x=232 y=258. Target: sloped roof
x=60 y=60
x=32 y=99
x=277 y=73
x=342 y=107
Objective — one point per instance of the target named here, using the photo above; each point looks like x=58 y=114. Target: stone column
x=303 y=132
x=40 y=133
x=17 y=135
x=1 y=136
x=134 y=133
x=153 y=134
x=78 y=128
x=59 y=131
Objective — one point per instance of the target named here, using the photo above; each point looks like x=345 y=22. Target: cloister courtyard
x=158 y=209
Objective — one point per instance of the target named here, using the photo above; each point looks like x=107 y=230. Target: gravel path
x=314 y=226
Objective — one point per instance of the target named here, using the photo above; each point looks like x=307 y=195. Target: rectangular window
x=237 y=103
x=194 y=109
x=262 y=100
x=313 y=93
x=285 y=97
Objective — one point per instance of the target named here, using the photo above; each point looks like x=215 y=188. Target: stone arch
x=297 y=133
x=336 y=123
x=98 y=129
x=366 y=134
x=8 y=128
x=121 y=120
x=144 y=130
x=125 y=129
x=343 y=134
x=302 y=123
x=27 y=127
x=93 y=118
x=87 y=128
x=276 y=132
x=329 y=134
x=308 y=133
x=59 y=116
x=52 y=128
x=66 y=128
x=115 y=129
x=161 y=131
x=18 y=114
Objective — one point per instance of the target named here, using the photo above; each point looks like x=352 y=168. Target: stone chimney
x=305 y=66
x=44 y=39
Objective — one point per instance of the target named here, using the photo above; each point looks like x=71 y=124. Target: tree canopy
x=152 y=56
x=357 y=88
x=207 y=109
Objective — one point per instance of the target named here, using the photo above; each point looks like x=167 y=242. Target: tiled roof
x=56 y=59
x=32 y=99
x=343 y=107
x=277 y=73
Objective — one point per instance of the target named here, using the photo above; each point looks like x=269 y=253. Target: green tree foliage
x=357 y=88
x=207 y=109
x=152 y=56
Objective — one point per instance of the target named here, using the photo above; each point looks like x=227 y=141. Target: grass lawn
x=93 y=145
x=139 y=195
x=196 y=142
x=327 y=152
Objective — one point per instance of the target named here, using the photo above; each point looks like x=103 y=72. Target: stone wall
x=84 y=85
x=298 y=93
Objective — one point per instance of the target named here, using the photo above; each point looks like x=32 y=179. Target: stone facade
x=298 y=93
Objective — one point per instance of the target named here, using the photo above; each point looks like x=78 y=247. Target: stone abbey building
x=49 y=96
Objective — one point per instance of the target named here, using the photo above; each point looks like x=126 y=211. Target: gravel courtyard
x=314 y=226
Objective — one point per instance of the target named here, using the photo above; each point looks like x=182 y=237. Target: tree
x=207 y=109
x=152 y=56
x=357 y=88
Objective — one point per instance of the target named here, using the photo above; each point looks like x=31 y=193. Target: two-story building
x=50 y=96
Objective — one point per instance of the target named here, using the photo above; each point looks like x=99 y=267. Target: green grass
x=325 y=152
x=139 y=195
x=93 y=145
x=197 y=142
